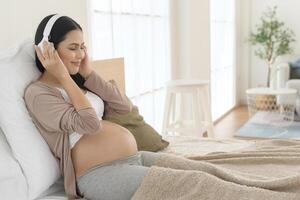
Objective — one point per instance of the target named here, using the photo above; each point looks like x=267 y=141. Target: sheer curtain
x=137 y=30
x=223 y=82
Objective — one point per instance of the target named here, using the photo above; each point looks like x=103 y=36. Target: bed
x=15 y=178
x=180 y=145
x=184 y=145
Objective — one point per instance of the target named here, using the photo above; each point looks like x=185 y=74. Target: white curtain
x=137 y=30
x=223 y=82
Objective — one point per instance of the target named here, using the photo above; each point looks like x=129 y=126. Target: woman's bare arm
x=75 y=94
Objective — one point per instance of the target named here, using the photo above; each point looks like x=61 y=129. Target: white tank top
x=96 y=102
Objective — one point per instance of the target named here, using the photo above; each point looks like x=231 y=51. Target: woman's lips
x=76 y=63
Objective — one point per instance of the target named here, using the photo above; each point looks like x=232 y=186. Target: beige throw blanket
x=270 y=170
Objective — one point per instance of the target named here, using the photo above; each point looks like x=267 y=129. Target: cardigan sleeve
x=54 y=113
x=109 y=93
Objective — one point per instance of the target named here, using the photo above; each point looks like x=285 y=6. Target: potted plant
x=273 y=38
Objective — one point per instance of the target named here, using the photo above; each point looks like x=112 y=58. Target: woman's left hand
x=85 y=68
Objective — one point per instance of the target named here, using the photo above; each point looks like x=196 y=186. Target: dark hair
x=60 y=28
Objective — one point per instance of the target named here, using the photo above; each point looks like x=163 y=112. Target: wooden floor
x=230 y=123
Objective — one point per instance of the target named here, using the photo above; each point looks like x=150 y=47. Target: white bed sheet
x=55 y=192
x=193 y=145
x=179 y=145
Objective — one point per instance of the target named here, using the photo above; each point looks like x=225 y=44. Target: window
x=137 y=30
x=222 y=56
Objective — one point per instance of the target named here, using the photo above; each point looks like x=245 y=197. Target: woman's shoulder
x=38 y=88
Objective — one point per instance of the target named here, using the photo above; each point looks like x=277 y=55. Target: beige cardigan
x=55 y=118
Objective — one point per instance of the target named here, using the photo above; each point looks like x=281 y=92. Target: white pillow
x=12 y=181
x=17 y=69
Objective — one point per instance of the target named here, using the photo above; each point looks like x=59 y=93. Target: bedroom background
x=161 y=40
x=187 y=39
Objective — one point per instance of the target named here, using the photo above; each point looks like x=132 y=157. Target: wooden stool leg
x=180 y=105
x=173 y=108
x=172 y=116
x=204 y=97
x=167 y=108
x=196 y=113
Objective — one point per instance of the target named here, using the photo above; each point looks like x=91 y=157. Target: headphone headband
x=48 y=28
x=49 y=25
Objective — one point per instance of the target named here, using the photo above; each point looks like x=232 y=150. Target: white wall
x=189 y=29
x=190 y=39
x=243 y=49
x=253 y=70
x=19 y=19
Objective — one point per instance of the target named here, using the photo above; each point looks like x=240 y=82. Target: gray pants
x=116 y=180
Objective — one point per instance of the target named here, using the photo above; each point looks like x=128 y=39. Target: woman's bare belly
x=111 y=142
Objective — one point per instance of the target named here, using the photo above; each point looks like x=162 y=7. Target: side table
x=276 y=106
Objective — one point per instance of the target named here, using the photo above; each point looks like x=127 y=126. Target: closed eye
x=75 y=48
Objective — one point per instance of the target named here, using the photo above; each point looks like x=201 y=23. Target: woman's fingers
x=86 y=55
x=55 y=55
x=85 y=50
x=47 y=55
x=51 y=50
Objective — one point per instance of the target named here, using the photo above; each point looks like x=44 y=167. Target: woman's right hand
x=51 y=61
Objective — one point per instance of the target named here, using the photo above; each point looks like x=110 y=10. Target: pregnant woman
x=67 y=102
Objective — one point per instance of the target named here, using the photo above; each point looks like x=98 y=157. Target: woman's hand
x=85 y=68
x=51 y=61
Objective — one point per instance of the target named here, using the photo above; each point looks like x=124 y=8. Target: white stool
x=200 y=104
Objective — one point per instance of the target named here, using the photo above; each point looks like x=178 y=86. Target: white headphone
x=47 y=30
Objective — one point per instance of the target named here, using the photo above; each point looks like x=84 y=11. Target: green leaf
x=271 y=36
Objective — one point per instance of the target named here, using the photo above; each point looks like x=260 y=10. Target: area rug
x=267 y=125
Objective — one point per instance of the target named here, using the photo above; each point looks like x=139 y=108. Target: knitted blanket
x=268 y=170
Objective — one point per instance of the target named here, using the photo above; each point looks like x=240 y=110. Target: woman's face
x=71 y=51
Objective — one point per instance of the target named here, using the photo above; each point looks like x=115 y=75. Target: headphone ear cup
x=47 y=30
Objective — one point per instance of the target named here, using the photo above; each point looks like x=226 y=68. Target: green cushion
x=146 y=137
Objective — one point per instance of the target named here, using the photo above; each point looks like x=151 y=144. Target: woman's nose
x=80 y=54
